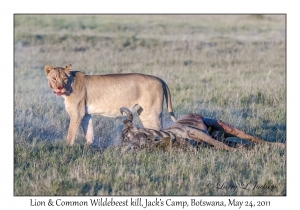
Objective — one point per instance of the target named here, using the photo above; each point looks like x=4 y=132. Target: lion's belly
x=98 y=110
x=112 y=110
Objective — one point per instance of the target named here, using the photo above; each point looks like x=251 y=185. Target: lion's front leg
x=87 y=127
x=75 y=121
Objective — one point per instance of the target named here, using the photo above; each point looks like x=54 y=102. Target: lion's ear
x=68 y=68
x=47 y=69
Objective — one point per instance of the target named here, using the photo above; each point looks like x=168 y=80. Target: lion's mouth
x=59 y=93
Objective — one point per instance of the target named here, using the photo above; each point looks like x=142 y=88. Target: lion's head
x=59 y=79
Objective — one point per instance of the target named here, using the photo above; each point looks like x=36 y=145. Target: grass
x=228 y=67
x=55 y=169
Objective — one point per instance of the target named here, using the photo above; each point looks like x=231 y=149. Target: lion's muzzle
x=60 y=91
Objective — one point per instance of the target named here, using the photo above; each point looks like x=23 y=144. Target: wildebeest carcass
x=188 y=129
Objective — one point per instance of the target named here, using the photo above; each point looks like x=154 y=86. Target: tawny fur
x=87 y=95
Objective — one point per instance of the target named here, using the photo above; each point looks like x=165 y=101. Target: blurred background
x=230 y=67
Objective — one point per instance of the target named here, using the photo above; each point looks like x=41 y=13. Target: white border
x=54 y=6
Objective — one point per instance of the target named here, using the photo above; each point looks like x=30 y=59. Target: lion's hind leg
x=152 y=120
x=151 y=117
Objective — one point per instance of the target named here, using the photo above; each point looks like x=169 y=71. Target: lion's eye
x=53 y=78
x=65 y=79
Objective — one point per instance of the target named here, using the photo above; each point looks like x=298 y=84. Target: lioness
x=87 y=95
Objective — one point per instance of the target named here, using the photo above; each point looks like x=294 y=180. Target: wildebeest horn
x=128 y=123
x=127 y=112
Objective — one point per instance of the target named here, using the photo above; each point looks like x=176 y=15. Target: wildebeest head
x=133 y=138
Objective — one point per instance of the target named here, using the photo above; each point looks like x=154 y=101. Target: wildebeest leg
x=215 y=130
x=232 y=131
x=201 y=136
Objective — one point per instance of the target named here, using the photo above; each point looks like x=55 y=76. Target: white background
x=8 y=9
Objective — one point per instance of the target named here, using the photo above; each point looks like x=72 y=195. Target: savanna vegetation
x=229 y=67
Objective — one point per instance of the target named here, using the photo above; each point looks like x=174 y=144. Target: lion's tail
x=169 y=102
